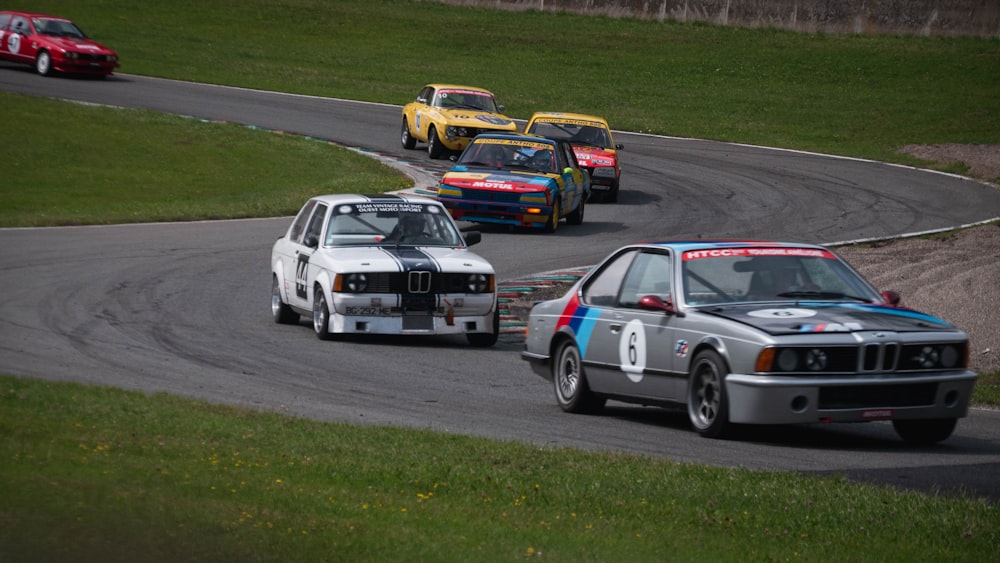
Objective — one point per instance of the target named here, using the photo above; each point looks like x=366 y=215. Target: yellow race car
x=447 y=117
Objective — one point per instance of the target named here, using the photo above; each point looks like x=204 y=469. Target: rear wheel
x=708 y=405
x=43 y=63
x=435 y=149
x=405 y=137
x=570 y=382
x=576 y=217
x=321 y=316
x=553 y=223
x=282 y=313
x=925 y=431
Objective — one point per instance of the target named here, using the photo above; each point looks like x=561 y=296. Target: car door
x=573 y=178
x=17 y=42
x=304 y=239
x=631 y=348
x=422 y=117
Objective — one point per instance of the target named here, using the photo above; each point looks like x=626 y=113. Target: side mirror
x=891 y=297
x=472 y=237
x=501 y=108
x=654 y=303
x=312 y=241
x=619 y=147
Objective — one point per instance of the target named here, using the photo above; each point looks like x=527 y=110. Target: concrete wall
x=901 y=17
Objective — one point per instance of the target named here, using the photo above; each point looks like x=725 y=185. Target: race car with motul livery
x=749 y=333
x=519 y=180
x=447 y=117
x=383 y=264
x=592 y=142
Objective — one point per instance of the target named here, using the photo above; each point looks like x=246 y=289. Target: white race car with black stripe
x=384 y=264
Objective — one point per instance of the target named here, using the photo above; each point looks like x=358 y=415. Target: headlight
x=478 y=283
x=606 y=172
x=71 y=55
x=796 y=359
x=453 y=131
x=351 y=283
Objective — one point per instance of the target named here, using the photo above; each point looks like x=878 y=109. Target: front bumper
x=756 y=399
x=516 y=214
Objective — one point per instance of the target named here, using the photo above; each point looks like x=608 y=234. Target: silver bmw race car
x=383 y=264
x=749 y=333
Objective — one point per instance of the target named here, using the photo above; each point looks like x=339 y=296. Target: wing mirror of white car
x=654 y=303
x=312 y=241
x=472 y=237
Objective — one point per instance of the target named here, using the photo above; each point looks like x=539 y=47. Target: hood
x=499 y=180
x=79 y=45
x=479 y=119
x=804 y=317
x=405 y=258
x=591 y=156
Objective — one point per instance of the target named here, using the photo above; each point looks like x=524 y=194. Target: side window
x=602 y=289
x=4 y=19
x=299 y=224
x=426 y=95
x=20 y=25
x=649 y=275
x=316 y=222
x=568 y=156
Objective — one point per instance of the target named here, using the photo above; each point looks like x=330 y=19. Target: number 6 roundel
x=632 y=350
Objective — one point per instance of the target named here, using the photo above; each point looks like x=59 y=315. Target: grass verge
x=94 y=473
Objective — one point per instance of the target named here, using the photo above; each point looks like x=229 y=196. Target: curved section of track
x=174 y=308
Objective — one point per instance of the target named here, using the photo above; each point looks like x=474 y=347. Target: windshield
x=391 y=224
x=58 y=28
x=738 y=275
x=517 y=154
x=575 y=132
x=465 y=99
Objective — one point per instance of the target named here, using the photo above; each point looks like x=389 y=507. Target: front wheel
x=43 y=64
x=435 y=148
x=321 y=316
x=927 y=431
x=405 y=137
x=707 y=402
x=570 y=382
x=553 y=223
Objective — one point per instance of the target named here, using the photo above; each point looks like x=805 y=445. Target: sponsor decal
x=516 y=143
x=749 y=252
x=831 y=327
x=876 y=414
x=493 y=120
x=681 y=349
x=382 y=207
x=570 y=121
x=487 y=185
x=788 y=313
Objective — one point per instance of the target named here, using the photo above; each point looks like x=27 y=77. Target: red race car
x=52 y=44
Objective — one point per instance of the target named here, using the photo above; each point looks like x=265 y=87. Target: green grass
x=109 y=165
x=99 y=474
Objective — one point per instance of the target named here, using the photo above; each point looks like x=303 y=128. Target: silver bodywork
x=418 y=286
x=816 y=353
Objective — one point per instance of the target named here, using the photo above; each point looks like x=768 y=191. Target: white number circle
x=14 y=43
x=632 y=350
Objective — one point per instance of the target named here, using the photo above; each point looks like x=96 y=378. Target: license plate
x=369 y=311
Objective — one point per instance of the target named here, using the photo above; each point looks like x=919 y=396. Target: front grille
x=875 y=396
x=880 y=357
x=416 y=283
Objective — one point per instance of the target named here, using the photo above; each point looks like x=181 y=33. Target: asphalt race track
x=168 y=307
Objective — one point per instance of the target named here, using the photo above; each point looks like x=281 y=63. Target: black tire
x=576 y=217
x=707 y=402
x=43 y=63
x=486 y=339
x=406 y=138
x=612 y=195
x=553 y=223
x=927 y=431
x=282 y=313
x=321 y=316
x=435 y=149
x=570 y=382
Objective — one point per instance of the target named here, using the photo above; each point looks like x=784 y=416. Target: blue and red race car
x=518 y=180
